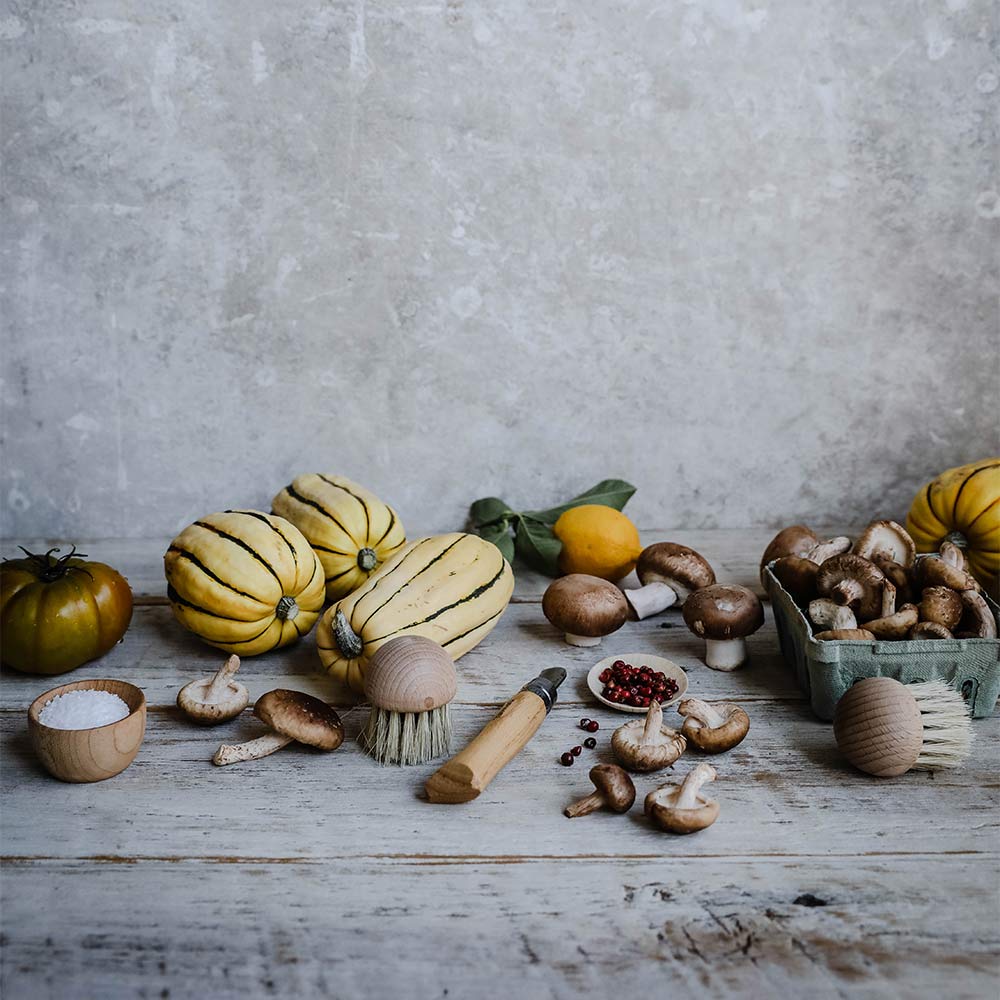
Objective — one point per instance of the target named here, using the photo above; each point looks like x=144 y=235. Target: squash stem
x=348 y=641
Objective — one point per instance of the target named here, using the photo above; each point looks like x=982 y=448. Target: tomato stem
x=50 y=568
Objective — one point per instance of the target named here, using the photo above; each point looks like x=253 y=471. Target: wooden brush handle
x=463 y=777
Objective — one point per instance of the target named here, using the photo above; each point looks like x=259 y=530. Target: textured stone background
x=743 y=254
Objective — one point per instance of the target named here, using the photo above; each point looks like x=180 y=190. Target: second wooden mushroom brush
x=410 y=681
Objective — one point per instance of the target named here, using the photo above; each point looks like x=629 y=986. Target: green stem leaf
x=537 y=546
x=609 y=493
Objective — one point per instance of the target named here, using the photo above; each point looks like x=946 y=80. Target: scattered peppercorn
x=584 y=723
x=566 y=759
x=590 y=743
x=592 y=726
x=576 y=751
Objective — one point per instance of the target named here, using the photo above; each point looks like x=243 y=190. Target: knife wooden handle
x=463 y=777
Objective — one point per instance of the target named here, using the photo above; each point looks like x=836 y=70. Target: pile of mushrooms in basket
x=877 y=588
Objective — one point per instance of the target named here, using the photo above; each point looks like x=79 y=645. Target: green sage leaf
x=537 y=546
x=609 y=492
x=489 y=510
x=499 y=534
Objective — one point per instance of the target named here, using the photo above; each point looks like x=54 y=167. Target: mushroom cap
x=683 y=569
x=865 y=575
x=302 y=717
x=798 y=576
x=661 y=806
x=585 y=605
x=192 y=699
x=723 y=611
x=933 y=571
x=713 y=738
x=840 y=634
x=941 y=605
x=823 y=613
x=929 y=630
x=615 y=785
x=888 y=539
x=640 y=753
x=795 y=540
x=410 y=673
x=977 y=619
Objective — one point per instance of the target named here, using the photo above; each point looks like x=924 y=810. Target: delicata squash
x=351 y=530
x=244 y=581
x=450 y=588
x=962 y=505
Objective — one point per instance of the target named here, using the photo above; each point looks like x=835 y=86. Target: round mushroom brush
x=886 y=728
x=409 y=681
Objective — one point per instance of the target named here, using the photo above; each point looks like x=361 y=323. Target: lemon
x=597 y=540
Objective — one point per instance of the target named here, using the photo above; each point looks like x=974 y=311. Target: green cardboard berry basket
x=825 y=670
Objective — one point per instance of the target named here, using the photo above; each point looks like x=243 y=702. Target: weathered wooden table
x=307 y=874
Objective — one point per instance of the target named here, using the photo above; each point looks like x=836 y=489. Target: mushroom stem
x=251 y=750
x=583 y=640
x=725 y=654
x=222 y=678
x=654 y=719
x=703 y=712
x=687 y=797
x=888 y=599
x=588 y=804
x=651 y=598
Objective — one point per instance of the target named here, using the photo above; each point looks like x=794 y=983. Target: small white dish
x=667 y=667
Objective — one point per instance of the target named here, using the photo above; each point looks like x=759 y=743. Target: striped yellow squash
x=449 y=588
x=963 y=505
x=352 y=531
x=244 y=581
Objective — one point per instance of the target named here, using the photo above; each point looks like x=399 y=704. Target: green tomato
x=59 y=613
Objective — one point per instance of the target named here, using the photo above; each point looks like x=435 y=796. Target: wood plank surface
x=307 y=874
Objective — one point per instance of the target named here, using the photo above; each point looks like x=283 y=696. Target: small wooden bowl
x=89 y=754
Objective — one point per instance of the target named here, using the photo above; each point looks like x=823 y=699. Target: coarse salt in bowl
x=80 y=733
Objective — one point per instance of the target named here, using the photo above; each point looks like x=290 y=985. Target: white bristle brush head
x=409 y=681
x=886 y=728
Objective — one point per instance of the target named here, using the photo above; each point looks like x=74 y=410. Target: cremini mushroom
x=724 y=615
x=668 y=573
x=888 y=540
x=291 y=716
x=646 y=744
x=825 y=614
x=797 y=575
x=941 y=605
x=585 y=608
x=795 y=540
x=950 y=553
x=854 y=582
x=613 y=790
x=683 y=808
x=842 y=634
x=977 y=621
x=829 y=548
x=211 y=700
x=898 y=575
x=713 y=727
x=929 y=630
x=933 y=571
x=893 y=622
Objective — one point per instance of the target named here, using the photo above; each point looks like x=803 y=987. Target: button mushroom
x=713 y=728
x=586 y=608
x=888 y=540
x=613 y=790
x=977 y=618
x=683 y=808
x=724 y=615
x=941 y=605
x=292 y=716
x=825 y=614
x=668 y=573
x=854 y=582
x=929 y=630
x=211 y=700
x=796 y=540
x=647 y=744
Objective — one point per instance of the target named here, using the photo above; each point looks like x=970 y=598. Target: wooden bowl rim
x=135 y=694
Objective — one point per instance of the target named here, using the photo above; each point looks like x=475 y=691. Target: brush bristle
x=407 y=737
x=947 y=726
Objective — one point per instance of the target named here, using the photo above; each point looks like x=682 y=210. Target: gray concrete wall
x=743 y=254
